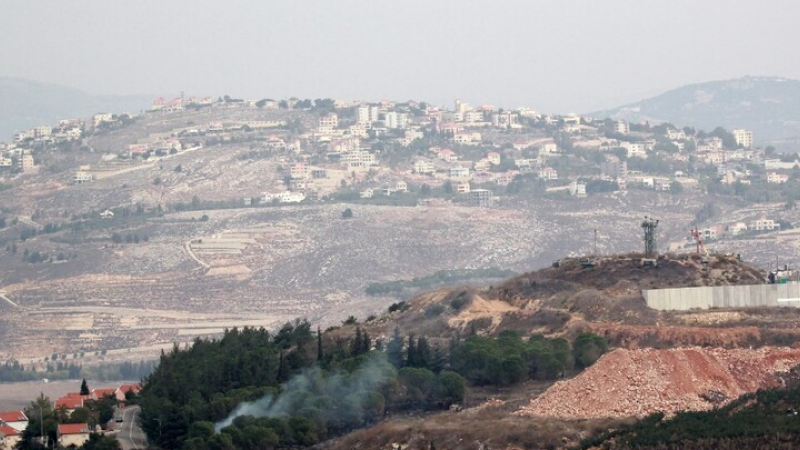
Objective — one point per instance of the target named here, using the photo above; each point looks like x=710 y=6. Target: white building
x=26 y=162
x=328 y=122
x=42 y=132
x=467 y=138
x=634 y=149
x=577 y=189
x=424 y=167
x=82 y=176
x=622 y=127
x=284 y=197
x=764 y=224
x=362 y=115
x=548 y=173
x=777 y=178
x=743 y=138
x=358 y=158
x=97 y=119
x=395 y=120
x=459 y=172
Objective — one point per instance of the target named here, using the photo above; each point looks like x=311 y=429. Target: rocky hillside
x=606 y=299
x=769 y=106
x=664 y=362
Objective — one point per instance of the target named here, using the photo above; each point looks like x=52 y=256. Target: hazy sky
x=553 y=56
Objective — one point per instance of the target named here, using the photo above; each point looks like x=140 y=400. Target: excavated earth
x=637 y=383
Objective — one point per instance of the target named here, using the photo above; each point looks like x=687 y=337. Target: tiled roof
x=73 y=428
x=12 y=416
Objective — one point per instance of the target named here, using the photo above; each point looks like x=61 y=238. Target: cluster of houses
x=14 y=423
x=511 y=142
x=762 y=223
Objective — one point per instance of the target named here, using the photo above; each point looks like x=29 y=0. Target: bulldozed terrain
x=662 y=361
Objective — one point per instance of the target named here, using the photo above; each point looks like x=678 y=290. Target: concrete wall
x=682 y=299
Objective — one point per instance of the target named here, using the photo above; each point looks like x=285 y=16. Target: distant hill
x=25 y=104
x=769 y=106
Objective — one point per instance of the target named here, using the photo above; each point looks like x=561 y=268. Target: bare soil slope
x=640 y=382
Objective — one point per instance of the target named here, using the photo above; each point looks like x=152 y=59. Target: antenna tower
x=649 y=226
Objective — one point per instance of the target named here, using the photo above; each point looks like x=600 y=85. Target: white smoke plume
x=301 y=390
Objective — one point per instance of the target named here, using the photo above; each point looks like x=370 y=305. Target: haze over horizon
x=579 y=56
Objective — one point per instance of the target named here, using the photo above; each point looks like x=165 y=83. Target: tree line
x=300 y=387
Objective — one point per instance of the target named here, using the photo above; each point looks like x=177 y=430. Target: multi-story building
x=42 y=132
x=82 y=176
x=614 y=169
x=634 y=149
x=358 y=158
x=299 y=171
x=328 y=122
x=577 y=189
x=395 y=120
x=26 y=162
x=97 y=119
x=622 y=127
x=480 y=198
x=459 y=172
x=362 y=114
x=424 y=167
x=764 y=224
x=744 y=138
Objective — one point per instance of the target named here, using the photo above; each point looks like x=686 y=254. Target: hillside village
x=405 y=152
x=121 y=234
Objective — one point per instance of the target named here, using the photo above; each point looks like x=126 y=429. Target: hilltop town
x=328 y=149
x=127 y=232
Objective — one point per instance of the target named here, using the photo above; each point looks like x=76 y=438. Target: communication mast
x=706 y=257
x=649 y=225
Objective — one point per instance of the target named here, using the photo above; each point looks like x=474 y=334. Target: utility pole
x=595 y=242
x=41 y=423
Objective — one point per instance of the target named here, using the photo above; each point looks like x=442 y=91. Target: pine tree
x=423 y=355
x=355 y=344
x=366 y=342
x=412 y=359
x=439 y=360
x=320 y=354
x=283 y=369
x=394 y=349
x=85 y=388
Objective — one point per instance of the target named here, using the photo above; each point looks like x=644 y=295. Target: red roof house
x=73 y=434
x=14 y=419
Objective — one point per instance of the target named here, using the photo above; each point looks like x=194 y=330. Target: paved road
x=130 y=434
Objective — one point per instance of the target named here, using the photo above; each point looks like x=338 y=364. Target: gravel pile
x=627 y=383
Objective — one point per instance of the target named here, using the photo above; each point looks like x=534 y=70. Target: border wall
x=743 y=296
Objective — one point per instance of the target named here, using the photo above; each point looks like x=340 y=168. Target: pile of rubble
x=627 y=383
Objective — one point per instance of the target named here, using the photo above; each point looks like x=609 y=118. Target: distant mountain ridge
x=25 y=104
x=769 y=106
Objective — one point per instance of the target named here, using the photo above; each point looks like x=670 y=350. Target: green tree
x=101 y=442
x=347 y=214
x=84 y=388
x=588 y=348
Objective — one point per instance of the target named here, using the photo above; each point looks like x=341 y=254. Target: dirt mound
x=624 y=273
x=640 y=382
